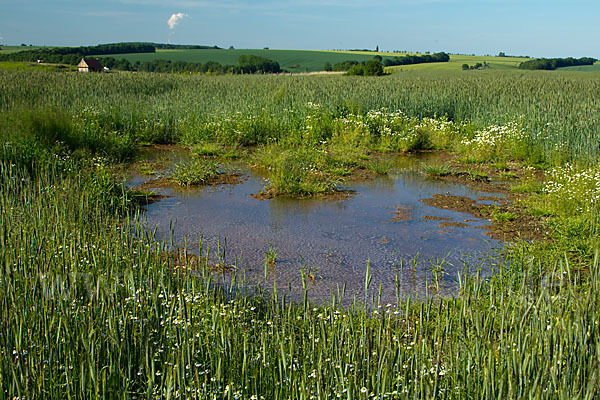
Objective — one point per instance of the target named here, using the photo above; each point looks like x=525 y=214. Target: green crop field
x=456 y=62
x=289 y=60
x=588 y=68
x=17 y=65
x=313 y=60
x=16 y=49
x=94 y=305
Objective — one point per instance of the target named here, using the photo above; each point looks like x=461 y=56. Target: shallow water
x=330 y=240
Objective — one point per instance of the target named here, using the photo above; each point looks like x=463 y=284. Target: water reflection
x=330 y=241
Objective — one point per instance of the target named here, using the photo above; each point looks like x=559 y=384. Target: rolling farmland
x=313 y=60
x=99 y=304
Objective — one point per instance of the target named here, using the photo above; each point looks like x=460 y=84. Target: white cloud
x=175 y=18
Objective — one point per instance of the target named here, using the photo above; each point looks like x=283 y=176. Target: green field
x=456 y=62
x=588 y=68
x=16 y=49
x=94 y=306
x=19 y=66
x=290 y=60
x=313 y=60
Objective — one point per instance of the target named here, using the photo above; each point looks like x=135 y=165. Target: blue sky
x=528 y=27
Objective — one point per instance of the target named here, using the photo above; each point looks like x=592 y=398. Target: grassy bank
x=95 y=307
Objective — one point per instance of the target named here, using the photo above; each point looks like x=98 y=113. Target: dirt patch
x=434 y=218
x=491 y=198
x=221 y=179
x=331 y=195
x=164 y=147
x=523 y=226
x=402 y=213
x=360 y=175
x=452 y=225
x=148 y=198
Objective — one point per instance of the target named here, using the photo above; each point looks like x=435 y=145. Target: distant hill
x=289 y=60
x=589 y=68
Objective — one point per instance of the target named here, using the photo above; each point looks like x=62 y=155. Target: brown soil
x=452 y=225
x=332 y=195
x=149 y=198
x=402 y=213
x=164 y=146
x=491 y=198
x=434 y=218
x=221 y=179
x=360 y=175
x=524 y=226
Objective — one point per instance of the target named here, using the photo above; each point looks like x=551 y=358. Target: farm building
x=89 y=64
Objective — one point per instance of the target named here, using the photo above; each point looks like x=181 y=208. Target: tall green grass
x=94 y=308
x=559 y=111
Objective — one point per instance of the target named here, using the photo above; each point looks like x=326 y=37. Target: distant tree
x=344 y=66
x=502 y=54
x=265 y=48
x=327 y=66
x=373 y=68
x=377 y=49
x=251 y=64
x=357 y=69
x=553 y=63
x=231 y=47
x=465 y=67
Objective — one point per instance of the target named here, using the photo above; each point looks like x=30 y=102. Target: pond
x=384 y=223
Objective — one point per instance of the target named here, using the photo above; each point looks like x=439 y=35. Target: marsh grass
x=211 y=149
x=527 y=185
x=477 y=173
x=92 y=309
x=297 y=175
x=437 y=169
x=195 y=172
x=380 y=166
x=505 y=216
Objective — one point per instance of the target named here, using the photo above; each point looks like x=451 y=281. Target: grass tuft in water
x=196 y=172
x=437 y=169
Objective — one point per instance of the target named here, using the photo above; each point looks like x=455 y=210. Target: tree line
x=247 y=64
x=413 y=59
x=554 y=63
x=72 y=55
x=372 y=67
x=356 y=66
